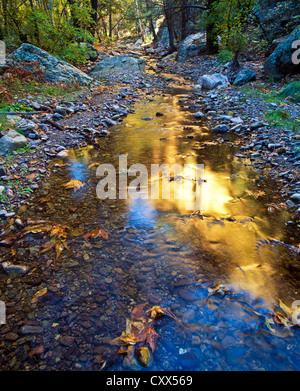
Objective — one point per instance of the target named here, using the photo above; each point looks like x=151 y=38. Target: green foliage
x=56 y=27
x=230 y=19
x=281 y=119
x=225 y=56
x=291 y=91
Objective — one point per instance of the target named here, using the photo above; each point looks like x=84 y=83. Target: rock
x=17 y=270
x=199 y=114
x=280 y=62
x=244 y=77
x=209 y=82
x=30 y=329
x=11 y=141
x=270 y=49
x=2 y=189
x=133 y=364
x=144 y=356
x=13 y=119
x=290 y=204
x=257 y=125
x=67 y=340
x=187 y=295
x=295 y=197
x=54 y=69
x=192 y=46
x=123 y=63
x=62 y=154
x=220 y=129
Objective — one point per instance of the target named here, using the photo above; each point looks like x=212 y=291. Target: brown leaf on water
x=59 y=246
x=93 y=165
x=38 y=294
x=74 y=184
x=59 y=231
x=95 y=233
x=152 y=338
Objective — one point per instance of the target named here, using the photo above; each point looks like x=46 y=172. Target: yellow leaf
x=287 y=310
x=38 y=294
x=268 y=322
x=74 y=184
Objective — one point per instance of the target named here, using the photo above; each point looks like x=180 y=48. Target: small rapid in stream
x=217 y=270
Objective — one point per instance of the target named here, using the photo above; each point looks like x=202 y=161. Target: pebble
x=31 y=329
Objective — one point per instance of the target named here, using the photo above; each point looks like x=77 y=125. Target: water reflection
x=207 y=265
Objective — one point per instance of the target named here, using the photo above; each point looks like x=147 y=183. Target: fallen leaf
x=38 y=294
x=74 y=184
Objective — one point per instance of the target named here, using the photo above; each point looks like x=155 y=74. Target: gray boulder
x=192 y=46
x=244 y=76
x=11 y=141
x=209 y=82
x=54 y=69
x=123 y=63
x=279 y=63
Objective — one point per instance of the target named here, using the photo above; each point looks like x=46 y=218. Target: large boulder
x=192 y=46
x=280 y=63
x=11 y=141
x=123 y=63
x=244 y=77
x=54 y=69
x=209 y=82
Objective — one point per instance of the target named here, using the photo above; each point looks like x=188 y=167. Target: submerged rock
x=14 y=269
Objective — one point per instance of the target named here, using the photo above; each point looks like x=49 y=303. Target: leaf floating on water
x=74 y=184
x=38 y=294
x=152 y=338
x=95 y=233
x=93 y=164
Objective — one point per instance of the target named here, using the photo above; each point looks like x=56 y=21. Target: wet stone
x=31 y=329
x=187 y=295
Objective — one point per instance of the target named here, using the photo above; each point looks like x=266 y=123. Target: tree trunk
x=151 y=24
x=170 y=25
x=94 y=5
x=211 y=38
x=184 y=19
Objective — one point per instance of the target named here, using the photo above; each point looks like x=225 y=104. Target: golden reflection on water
x=232 y=221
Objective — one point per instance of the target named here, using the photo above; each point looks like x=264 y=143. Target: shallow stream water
x=216 y=269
